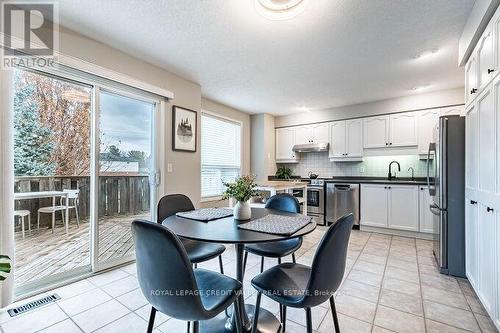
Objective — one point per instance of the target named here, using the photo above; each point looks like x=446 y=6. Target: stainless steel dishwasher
x=342 y=199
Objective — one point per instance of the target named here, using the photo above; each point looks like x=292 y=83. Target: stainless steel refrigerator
x=446 y=182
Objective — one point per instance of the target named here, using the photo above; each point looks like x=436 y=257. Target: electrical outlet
x=169 y=167
x=361 y=169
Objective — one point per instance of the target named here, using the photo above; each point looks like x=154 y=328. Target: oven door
x=315 y=200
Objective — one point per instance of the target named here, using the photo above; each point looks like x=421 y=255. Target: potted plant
x=284 y=172
x=4 y=267
x=241 y=191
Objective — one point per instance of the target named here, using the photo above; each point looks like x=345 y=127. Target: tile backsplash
x=373 y=166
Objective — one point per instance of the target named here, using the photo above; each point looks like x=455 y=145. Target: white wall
x=407 y=103
x=262 y=146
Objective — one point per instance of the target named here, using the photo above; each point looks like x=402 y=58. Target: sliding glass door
x=83 y=162
x=52 y=159
x=126 y=162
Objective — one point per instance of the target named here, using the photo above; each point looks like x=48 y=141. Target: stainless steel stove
x=316 y=200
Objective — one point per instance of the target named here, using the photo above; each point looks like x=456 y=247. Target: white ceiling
x=337 y=52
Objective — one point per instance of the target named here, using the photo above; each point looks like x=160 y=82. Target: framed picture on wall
x=184 y=129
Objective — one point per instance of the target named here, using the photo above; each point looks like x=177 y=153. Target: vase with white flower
x=241 y=191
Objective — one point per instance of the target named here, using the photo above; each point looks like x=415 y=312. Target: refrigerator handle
x=435 y=209
x=432 y=146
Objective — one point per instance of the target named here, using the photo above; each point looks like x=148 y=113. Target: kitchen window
x=220 y=153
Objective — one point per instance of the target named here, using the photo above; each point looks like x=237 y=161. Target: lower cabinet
x=487 y=249
x=403 y=207
x=425 y=216
x=471 y=241
x=390 y=206
x=374 y=203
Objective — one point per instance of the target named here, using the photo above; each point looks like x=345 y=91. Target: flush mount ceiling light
x=280 y=9
x=420 y=88
x=426 y=55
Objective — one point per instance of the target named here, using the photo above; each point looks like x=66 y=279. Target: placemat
x=206 y=214
x=277 y=224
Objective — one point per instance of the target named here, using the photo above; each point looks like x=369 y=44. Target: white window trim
x=239 y=122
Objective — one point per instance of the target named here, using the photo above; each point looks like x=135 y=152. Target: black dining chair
x=278 y=249
x=300 y=286
x=172 y=286
x=197 y=251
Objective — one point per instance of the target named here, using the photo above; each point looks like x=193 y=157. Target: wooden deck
x=43 y=253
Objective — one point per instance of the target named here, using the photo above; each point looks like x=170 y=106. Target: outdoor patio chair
x=22 y=214
x=72 y=195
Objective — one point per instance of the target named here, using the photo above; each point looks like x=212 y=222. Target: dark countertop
x=364 y=180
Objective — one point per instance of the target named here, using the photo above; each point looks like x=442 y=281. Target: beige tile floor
x=391 y=285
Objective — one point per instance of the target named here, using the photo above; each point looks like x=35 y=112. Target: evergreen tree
x=32 y=141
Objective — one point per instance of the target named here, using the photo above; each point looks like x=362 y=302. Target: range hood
x=311 y=147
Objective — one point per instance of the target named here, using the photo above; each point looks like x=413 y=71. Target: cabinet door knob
x=490 y=70
x=472 y=202
x=385 y=187
x=489 y=209
x=386 y=144
x=390 y=144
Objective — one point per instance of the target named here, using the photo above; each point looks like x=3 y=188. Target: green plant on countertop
x=4 y=267
x=284 y=172
x=241 y=190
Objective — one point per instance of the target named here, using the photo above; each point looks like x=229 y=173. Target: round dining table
x=226 y=231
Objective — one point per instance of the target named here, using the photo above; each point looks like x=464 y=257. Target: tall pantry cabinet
x=482 y=204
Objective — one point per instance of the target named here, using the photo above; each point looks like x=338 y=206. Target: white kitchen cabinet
x=374 y=204
x=470 y=79
x=303 y=134
x=471 y=241
x=397 y=130
x=425 y=216
x=426 y=120
x=471 y=147
x=486 y=143
x=403 y=129
x=403 y=207
x=354 y=137
x=346 y=141
x=389 y=206
x=285 y=140
x=376 y=132
x=316 y=133
x=320 y=133
x=487 y=251
x=338 y=140
x=484 y=56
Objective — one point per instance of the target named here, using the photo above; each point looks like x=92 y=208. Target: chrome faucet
x=412 y=173
x=389 y=175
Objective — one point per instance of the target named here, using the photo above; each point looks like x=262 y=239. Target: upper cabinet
x=354 y=135
x=316 y=133
x=285 y=140
x=403 y=129
x=470 y=79
x=320 y=133
x=338 y=139
x=346 y=140
x=483 y=62
x=427 y=120
x=484 y=56
x=303 y=134
x=376 y=132
x=397 y=130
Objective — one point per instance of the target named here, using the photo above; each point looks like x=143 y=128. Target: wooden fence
x=118 y=195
